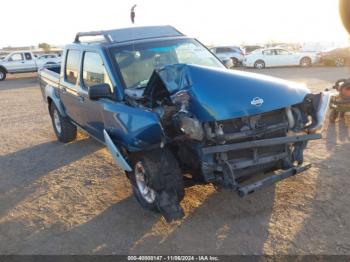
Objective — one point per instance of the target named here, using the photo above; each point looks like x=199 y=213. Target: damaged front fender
x=115 y=152
x=321 y=104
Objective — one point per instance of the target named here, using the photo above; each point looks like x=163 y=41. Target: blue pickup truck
x=171 y=114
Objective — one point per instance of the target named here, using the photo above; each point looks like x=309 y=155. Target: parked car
x=165 y=106
x=272 y=57
x=336 y=56
x=23 y=62
x=224 y=52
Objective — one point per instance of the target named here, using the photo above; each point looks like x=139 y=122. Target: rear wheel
x=235 y=61
x=339 y=62
x=305 y=62
x=2 y=74
x=157 y=182
x=65 y=131
x=259 y=64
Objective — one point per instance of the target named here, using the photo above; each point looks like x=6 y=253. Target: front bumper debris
x=259 y=143
x=250 y=188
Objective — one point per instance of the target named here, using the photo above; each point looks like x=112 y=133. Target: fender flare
x=3 y=68
x=51 y=93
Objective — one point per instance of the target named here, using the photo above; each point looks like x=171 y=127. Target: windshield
x=137 y=62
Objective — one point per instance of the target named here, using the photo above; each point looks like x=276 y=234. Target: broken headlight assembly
x=317 y=106
x=185 y=122
x=189 y=126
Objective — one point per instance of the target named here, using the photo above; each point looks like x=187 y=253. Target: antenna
x=132 y=13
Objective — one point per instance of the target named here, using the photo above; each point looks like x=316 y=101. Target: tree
x=46 y=47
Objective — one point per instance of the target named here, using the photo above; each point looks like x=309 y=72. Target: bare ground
x=73 y=199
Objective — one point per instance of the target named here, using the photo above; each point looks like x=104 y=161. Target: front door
x=15 y=63
x=285 y=58
x=93 y=73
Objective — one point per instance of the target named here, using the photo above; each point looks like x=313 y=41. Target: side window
x=16 y=57
x=220 y=50
x=28 y=56
x=282 y=52
x=72 y=66
x=227 y=50
x=268 y=52
x=94 y=71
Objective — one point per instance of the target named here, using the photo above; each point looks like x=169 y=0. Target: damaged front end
x=225 y=127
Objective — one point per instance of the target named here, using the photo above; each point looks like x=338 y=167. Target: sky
x=29 y=22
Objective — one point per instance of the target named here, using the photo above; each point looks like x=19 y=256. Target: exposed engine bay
x=223 y=151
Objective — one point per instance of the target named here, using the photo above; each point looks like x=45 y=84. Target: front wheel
x=2 y=75
x=339 y=62
x=259 y=64
x=157 y=182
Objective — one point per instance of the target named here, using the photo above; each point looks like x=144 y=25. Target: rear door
x=69 y=86
x=29 y=62
x=269 y=57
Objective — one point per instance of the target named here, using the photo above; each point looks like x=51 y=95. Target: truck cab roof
x=125 y=35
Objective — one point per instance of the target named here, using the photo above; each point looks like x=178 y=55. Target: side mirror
x=99 y=91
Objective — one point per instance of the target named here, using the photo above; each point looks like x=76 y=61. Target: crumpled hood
x=221 y=94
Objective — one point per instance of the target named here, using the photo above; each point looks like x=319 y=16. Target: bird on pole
x=132 y=14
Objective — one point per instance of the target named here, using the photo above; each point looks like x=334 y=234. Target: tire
x=339 y=62
x=333 y=116
x=260 y=64
x=305 y=62
x=235 y=62
x=157 y=182
x=65 y=131
x=2 y=74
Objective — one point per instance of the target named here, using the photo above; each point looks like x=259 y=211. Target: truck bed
x=50 y=76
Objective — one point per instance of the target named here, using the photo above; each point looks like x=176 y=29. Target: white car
x=23 y=62
x=273 y=57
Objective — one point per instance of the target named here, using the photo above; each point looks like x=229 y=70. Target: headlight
x=191 y=127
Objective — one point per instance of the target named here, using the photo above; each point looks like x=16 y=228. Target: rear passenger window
x=94 y=71
x=72 y=66
x=28 y=56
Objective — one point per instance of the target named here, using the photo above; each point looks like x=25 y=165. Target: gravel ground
x=73 y=199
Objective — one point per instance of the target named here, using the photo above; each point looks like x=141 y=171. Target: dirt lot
x=73 y=199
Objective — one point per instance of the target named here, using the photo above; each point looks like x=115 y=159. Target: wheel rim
x=305 y=62
x=146 y=191
x=259 y=65
x=57 y=122
x=339 y=61
x=1 y=75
